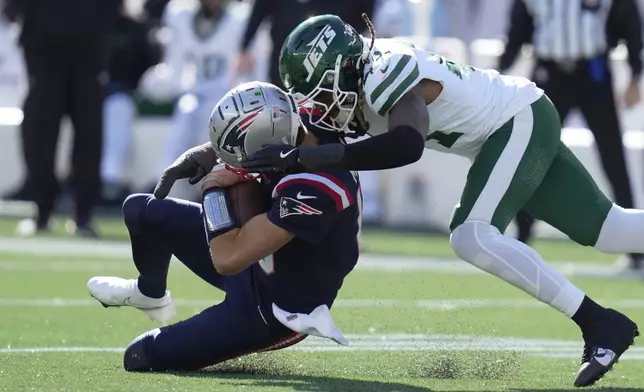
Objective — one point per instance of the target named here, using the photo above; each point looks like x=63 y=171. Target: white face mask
x=344 y=102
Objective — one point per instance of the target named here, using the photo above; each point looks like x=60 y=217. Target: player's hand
x=220 y=177
x=193 y=164
x=273 y=159
x=632 y=96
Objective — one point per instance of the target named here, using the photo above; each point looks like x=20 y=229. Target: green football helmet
x=321 y=64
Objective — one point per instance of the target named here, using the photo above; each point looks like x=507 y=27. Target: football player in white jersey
x=198 y=63
x=413 y=99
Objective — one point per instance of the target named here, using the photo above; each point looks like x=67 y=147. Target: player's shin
x=482 y=245
x=150 y=258
x=622 y=231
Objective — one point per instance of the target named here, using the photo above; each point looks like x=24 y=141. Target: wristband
x=217 y=215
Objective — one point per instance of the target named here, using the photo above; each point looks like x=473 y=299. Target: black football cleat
x=606 y=341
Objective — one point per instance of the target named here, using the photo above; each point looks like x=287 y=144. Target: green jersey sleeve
x=392 y=75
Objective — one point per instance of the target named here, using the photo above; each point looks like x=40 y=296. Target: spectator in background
x=393 y=18
x=469 y=20
x=285 y=15
x=64 y=45
x=571 y=44
x=198 y=65
x=12 y=73
x=131 y=52
x=153 y=12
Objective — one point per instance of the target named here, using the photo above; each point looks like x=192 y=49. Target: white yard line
x=424 y=304
x=121 y=250
x=399 y=343
x=64 y=247
x=368 y=262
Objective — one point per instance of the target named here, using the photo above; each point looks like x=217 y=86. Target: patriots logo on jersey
x=290 y=206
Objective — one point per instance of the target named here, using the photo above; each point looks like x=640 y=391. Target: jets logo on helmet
x=319 y=45
x=321 y=64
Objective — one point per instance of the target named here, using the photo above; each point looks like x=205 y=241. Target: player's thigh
x=228 y=330
x=510 y=166
x=570 y=200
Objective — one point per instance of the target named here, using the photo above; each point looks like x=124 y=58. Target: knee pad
x=134 y=210
x=137 y=357
x=468 y=238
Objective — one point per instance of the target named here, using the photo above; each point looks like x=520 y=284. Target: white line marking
x=399 y=343
x=366 y=263
x=122 y=251
x=424 y=304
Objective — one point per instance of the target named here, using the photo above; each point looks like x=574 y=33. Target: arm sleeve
x=307 y=205
x=521 y=30
x=624 y=23
x=399 y=75
x=399 y=147
x=261 y=10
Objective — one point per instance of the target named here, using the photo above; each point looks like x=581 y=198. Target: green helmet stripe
x=389 y=80
x=399 y=91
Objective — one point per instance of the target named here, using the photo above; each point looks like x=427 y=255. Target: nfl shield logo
x=276 y=112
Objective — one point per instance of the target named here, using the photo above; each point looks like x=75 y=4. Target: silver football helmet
x=250 y=116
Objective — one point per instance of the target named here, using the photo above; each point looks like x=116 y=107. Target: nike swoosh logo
x=385 y=68
x=126 y=302
x=282 y=155
x=300 y=196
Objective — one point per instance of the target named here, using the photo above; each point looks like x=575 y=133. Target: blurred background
x=97 y=97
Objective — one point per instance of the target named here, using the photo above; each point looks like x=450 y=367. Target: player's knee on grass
x=134 y=210
x=137 y=354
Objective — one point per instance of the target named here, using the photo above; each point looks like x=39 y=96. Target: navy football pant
x=239 y=325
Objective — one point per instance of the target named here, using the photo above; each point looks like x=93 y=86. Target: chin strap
x=244 y=173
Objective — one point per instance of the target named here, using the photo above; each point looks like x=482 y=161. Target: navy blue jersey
x=322 y=211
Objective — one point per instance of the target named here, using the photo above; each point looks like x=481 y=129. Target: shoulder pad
x=394 y=72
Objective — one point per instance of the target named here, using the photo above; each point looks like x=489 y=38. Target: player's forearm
x=237 y=249
x=398 y=147
x=223 y=254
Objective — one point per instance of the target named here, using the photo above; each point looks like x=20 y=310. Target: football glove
x=289 y=159
x=193 y=164
x=274 y=159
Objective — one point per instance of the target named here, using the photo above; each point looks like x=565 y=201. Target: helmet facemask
x=336 y=105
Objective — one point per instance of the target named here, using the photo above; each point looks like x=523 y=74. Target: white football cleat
x=113 y=291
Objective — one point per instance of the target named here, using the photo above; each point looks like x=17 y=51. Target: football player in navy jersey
x=281 y=270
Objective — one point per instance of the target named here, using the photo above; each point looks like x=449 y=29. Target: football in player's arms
x=409 y=98
x=306 y=242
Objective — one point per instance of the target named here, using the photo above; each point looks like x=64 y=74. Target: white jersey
x=13 y=78
x=203 y=63
x=472 y=105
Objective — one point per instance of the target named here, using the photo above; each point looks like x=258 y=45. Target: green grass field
x=414 y=325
